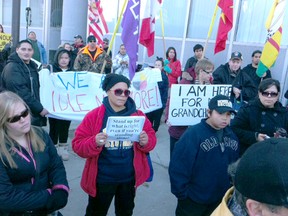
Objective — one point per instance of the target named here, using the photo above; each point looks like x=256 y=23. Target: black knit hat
x=262 y=172
x=112 y=79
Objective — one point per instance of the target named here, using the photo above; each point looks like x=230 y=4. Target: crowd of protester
x=200 y=155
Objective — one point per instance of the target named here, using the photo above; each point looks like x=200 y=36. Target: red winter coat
x=176 y=72
x=84 y=145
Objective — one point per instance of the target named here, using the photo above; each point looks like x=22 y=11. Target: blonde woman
x=33 y=178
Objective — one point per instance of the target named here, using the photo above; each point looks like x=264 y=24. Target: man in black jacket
x=231 y=73
x=20 y=76
x=251 y=69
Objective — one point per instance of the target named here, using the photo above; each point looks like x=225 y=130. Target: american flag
x=96 y=21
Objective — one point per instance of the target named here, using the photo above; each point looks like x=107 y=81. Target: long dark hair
x=167 y=52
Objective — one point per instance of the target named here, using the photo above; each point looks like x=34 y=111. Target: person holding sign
x=59 y=128
x=155 y=116
x=5 y=52
x=204 y=69
x=198 y=167
x=113 y=168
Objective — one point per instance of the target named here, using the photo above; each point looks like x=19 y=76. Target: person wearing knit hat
x=92 y=58
x=112 y=79
x=113 y=168
x=261 y=182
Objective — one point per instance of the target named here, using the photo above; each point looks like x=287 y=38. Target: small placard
x=124 y=127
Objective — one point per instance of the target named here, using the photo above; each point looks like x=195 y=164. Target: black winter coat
x=25 y=188
x=251 y=71
x=242 y=81
x=23 y=79
x=254 y=118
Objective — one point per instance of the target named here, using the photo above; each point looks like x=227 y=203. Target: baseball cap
x=221 y=104
x=106 y=40
x=262 y=174
x=90 y=38
x=236 y=55
x=78 y=36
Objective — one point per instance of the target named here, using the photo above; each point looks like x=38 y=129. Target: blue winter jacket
x=198 y=167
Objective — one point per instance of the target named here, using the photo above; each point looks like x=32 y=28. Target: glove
x=167 y=69
x=166 y=61
x=57 y=200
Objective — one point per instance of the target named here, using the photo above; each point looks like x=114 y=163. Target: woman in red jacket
x=175 y=66
x=113 y=168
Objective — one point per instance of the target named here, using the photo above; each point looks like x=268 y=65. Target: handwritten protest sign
x=124 y=128
x=70 y=95
x=188 y=103
x=4 y=39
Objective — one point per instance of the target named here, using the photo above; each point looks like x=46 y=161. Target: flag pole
x=114 y=33
x=162 y=27
x=210 y=28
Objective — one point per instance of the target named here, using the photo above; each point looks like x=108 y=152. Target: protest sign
x=70 y=95
x=124 y=127
x=4 y=39
x=188 y=103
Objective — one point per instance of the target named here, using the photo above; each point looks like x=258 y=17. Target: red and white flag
x=147 y=32
x=96 y=21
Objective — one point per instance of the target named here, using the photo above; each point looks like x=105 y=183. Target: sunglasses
x=119 y=92
x=16 y=118
x=271 y=94
x=207 y=72
x=92 y=41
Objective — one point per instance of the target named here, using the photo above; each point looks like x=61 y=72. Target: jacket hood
x=56 y=66
x=130 y=107
x=14 y=57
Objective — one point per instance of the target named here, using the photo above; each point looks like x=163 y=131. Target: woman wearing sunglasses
x=33 y=178
x=262 y=118
x=113 y=168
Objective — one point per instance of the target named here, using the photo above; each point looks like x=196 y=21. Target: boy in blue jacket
x=198 y=167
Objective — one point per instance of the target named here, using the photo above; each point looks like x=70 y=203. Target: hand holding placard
x=101 y=139
x=125 y=128
x=143 y=138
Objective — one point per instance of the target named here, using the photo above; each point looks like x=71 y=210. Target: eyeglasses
x=119 y=92
x=271 y=94
x=207 y=72
x=92 y=41
x=105 y=43
x=16 y=118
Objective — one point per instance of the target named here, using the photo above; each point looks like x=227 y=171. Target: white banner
x=188 y=103
x=70 y=95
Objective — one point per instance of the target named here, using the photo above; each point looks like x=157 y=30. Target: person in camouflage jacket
x=91 y=57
